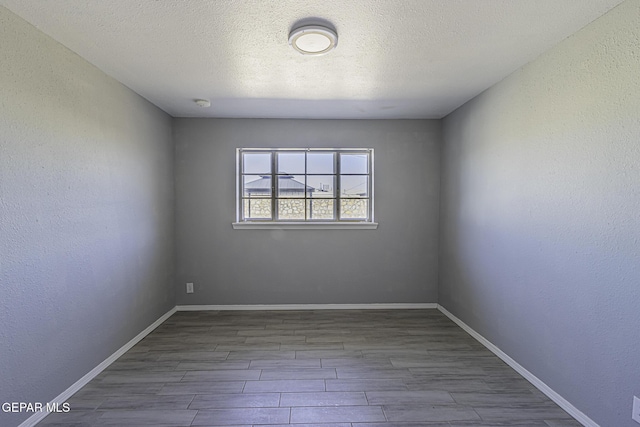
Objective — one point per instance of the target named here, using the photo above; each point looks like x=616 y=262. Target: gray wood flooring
x=342 y=368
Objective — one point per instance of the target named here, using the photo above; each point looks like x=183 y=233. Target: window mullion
x=307 y=215
x=338 y=187
x=274 y=187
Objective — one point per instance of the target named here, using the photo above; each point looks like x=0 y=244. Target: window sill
x=264 y=225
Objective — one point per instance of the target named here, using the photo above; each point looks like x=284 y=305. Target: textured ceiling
x=395 y=58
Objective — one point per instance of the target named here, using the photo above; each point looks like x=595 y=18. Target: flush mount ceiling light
x=204 y=103
x=313 y=39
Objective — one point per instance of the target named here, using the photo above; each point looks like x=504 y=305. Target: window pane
x=354 y=163
x=291 y=162
x=256 y=186
x=256 y=163
x=354 y=186
x=354 y=209
x=320 y=163
x=256 y=208
x=319 y=186
x=320 y=208
x=291 y=209
x=291 y=186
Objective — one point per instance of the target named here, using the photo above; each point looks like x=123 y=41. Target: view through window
x=305 y=185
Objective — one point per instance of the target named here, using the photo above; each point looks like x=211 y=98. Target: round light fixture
x=204 y=103
x=313 y=40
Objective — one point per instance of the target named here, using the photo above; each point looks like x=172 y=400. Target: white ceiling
x=395 y=58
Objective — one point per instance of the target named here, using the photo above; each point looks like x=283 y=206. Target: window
x=305 y=187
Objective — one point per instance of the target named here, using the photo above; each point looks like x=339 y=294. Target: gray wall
x=540 y=216
x=86 y=215
x=397 y=263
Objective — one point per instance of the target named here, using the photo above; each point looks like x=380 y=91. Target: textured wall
x=86 y=215
x=540 y=216
x=395 y=263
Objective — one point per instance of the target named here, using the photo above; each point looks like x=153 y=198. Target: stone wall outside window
x=294 y=209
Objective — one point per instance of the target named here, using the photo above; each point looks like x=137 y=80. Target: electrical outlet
x=189 y=288
x=635 y=416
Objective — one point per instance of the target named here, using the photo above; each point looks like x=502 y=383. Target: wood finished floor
x=338 y=368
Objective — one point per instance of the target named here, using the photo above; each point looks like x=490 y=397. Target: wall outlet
x=635 y=416
x=189 y=288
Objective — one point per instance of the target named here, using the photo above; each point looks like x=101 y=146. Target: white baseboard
x=391 y=306
x=551 y=394
x=62 y=397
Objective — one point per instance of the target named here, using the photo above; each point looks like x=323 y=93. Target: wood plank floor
x=337 y=368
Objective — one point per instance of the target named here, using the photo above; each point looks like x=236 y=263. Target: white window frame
x=336 y=223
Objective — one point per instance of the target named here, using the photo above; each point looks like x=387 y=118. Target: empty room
x=362 y=213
